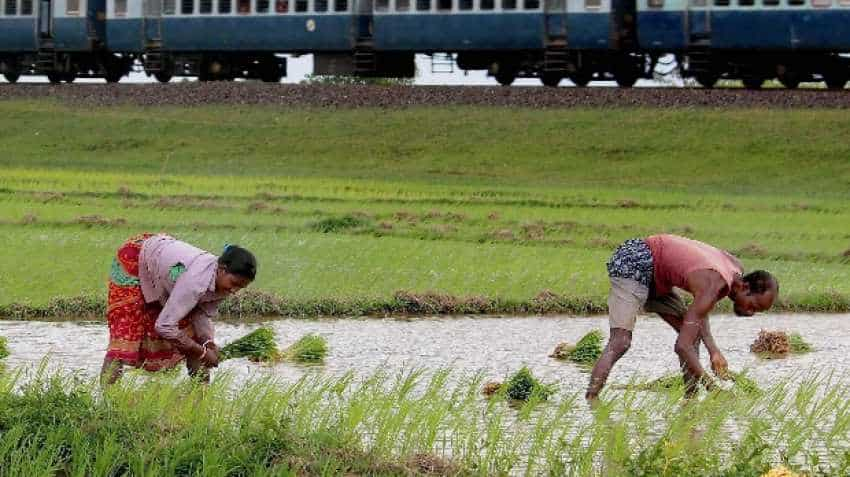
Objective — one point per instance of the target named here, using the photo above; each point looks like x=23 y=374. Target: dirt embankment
x=356 y=96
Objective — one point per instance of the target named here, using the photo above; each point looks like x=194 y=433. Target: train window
x=281 y=6
x=320 y=6
x=341 y=6
x=11 y=7
x=263 y=6
x=531 y=4
x=225 y=6
x=26 y=7
x=168 y=7
x=402 y=5
x=796 y=3
x=487 y=4
x=300 y=5
x=508 y=4
x=746 y=3
x=721 y=3
x=770 y=3
x=205 y=7
x=464 y=5
x=120 y=8
x=243 y=6
x=382 y=5
x=815 y=3
x=593 y=4
x=72 y=7
x=444 y=4
x=187 y=7
x=423 y=5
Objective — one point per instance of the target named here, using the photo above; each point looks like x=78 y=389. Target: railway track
x=358 y=96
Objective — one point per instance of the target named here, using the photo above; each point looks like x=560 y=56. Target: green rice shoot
x=798 y=344
x=587 y=350
x=4 y=349
x=522 y=385
x=741 y=381
x=310 y=348
x=258 y=345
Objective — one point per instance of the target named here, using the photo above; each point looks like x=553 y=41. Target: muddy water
x=494 y=345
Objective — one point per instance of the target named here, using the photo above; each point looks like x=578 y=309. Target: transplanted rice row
x=407 y=424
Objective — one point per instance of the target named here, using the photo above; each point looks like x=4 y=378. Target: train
x=791 y=41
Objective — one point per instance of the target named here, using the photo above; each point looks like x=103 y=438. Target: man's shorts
x=631 y=273
x=628 y=298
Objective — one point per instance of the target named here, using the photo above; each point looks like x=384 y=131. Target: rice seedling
x=798 y=344
x=258 y=345
x=4 y=348
x=522 y=385
x=585 y=352
x=741 y=382
x=308 y=349
x=408 y=424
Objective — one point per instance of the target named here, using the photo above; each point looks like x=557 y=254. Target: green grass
x=407 y=424
x=422 y=209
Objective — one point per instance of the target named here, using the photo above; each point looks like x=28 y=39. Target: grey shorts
x=629 y=297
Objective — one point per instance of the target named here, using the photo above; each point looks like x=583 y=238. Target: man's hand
x=212 y=357
x=719 y=365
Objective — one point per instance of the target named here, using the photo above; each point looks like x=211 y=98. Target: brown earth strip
x=357 y=96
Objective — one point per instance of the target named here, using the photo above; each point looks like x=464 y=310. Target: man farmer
x=643 y=273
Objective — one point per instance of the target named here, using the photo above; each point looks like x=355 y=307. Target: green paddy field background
x=418 y=210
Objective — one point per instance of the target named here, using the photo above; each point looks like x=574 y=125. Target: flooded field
x=495 y=346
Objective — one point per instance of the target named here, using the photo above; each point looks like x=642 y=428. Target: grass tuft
x=338 y=224
x=4 y=348
x=798 y=344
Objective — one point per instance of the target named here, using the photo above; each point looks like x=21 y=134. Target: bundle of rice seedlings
x=4 y=350
x=258 y=345
x=585 y=352
x=798 y=344
x=779 y=344
x=309 y=349
x=522 y=385
x=490 y=388
x=771 y=344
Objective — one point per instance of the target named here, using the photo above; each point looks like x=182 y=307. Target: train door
x=45 y=18
x=699 y=21
x=555 y=19
x=152 y=21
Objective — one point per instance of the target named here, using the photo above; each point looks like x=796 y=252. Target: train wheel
x=69 y=77
x=505 y=74
x=113 y=76
x=12 y=77
x=162 y=76
x=753 y=82
x=625 y=79
x=54 y=77
x=551 y=79
x=707 y=80
x=790 y=82
x=580 y=78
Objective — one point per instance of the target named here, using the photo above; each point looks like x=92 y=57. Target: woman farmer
x=162 y=296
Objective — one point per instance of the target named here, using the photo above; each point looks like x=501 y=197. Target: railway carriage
x=18 y=40
x=752 y=40
x=549 y=39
